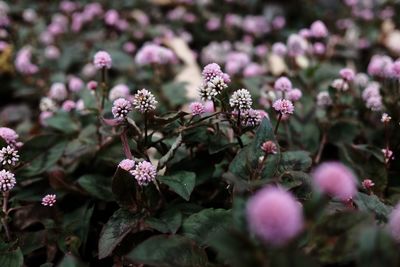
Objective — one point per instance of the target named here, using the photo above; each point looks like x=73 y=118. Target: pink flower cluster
x=336 y=180
x=152 y=53
x=274 y=216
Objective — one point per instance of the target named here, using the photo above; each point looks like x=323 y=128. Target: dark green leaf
x=124 y=188
x=169 y=251
x=203 y=225
x=168 y=222
x=181 y=182
x=97 y=185
x=118 y=226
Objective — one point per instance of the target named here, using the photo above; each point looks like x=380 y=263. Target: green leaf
x=45 y=160
x=168 y=251
x=344 y=131
x=118 y=226
x=175 y=93
x=235 y=249
x=124 y=188
x=168 y=222
x=295 y=161
x=246 y=161
x=371 y=203
x=38 y=145
x=63 y=122
x=203 y=225
x=181 y=182
x=376 y=248
x=11 y=258
x=97 y=185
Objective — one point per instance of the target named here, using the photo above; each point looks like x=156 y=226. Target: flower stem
x=5 y=218
x=125 y=145
x=145 y=128
x=277 y=123
x=103 y=87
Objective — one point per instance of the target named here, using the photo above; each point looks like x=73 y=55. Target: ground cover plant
x=183 y=133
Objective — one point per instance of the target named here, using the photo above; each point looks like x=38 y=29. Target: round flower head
x=279 y=49
x=347 y=74
x=49 y=200
x=294 y=94
x=217 y=84
x=283 y=106
x=241 y=100
x=385 y=118
x=368 y=184
x=374 y=103
x=144 y=173
x=7 y=181
x=283 y=84
x=274 y=215
x=9 y=135
x=144 y=101
x=127 y=164
x=340 y=85
x=324 y=99
x=336 y=180
x=211 y=71
x=318 y=29
x=102 y=60
x=47 y=104
x=121 y=108
x=75 y=84
x=68 y=105
x=9 y=156
x=196 y=108
x=296 y=45
x=269 y=147
x=118 y=91
x=394 y=223
x=251 y=118
x=58 y=92
x=92 y=85
x=387 y=154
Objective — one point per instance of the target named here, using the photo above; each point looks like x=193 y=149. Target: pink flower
x=347 y=74
x=75 y=84
x=209 y=107
x=68 y=105
x=52 y=52
x=23 y=62
x=296 y=45
x=279 y=49
x=213 y=24
x=319 y=48
x=388 y=154
x=92 y=85
x=144 y=173
x=121 y=108
x=9 y=135
x=336 y=180
x=318 y=29
x=211 y=71
x=294 y=94
x=394 y=223
x=283 y=84
x=7 y=181
x=127 y=164
x=102 y=59
x=197 y=108
x=152 y=53
x=129 y=47
x=111 y=17
x=118 y=91
x=274 y=215
x=58 y=92
x=251 y=118
x=283 y=106
x=49 y=200
x=269 y=147
x=385 y=118
x=368 y=184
